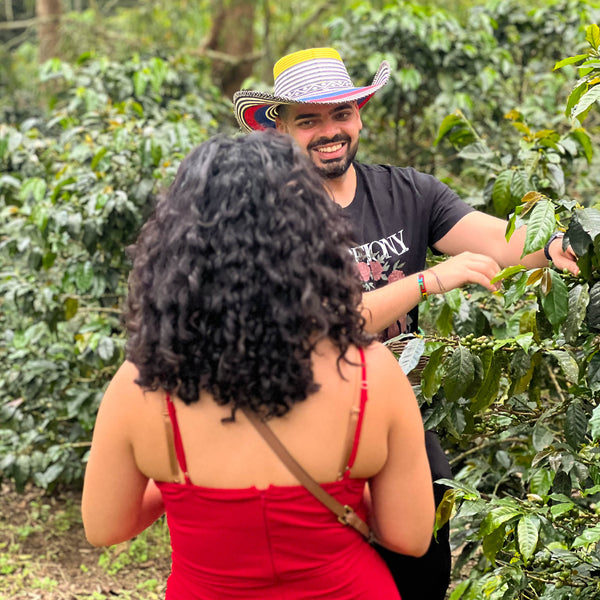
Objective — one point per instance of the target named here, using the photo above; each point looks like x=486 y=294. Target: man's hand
x=563 y=259
x=460 y=270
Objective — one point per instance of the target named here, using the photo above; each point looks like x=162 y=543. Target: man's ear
x=360 y=125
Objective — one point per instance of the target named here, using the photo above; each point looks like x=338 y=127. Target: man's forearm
x=386 y=305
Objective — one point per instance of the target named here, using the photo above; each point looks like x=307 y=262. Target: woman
x=243 y=296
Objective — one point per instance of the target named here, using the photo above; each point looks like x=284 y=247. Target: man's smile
x=329 y=149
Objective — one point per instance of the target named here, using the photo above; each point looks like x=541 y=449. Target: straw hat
x=314 y=76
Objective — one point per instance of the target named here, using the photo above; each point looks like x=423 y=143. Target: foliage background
x=87 y=140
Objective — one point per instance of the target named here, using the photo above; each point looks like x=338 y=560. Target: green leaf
x=71 y=308
x=575 y=424
x=569 y=61
x=105 y=348
x=466 y=491
x=586 y=101
x=443 y=321
x=501 y=193
x=584 y=140
x=411 y=354
x=84 y=276
x=519 y=185
x=556 y=176
x=589 y=219
x=561 y=509
x=454 y=299
x=488 y=390
x=528 y=535
x=448 y=123
x=593 y=308
x=140 y=82
x=589 y=536
x=592 y=35
x=578 y=302
x=460 y=372
x=508 y=272
x=540 y=482
x=459 y=590
x=50 y=475
x=575 y=96
x=496 y=517
x=542 y=223
x=515 y=291
x=556 y=302
x=158 y=73
x=475 y=386
x=493 y=542
x=524 y=340
x=593 y=373
x=476 y=151
x=60 y=185
x=444 y=509
x=98 y=157
x=432 y=374
x=595 y=423
x=33 y=188
x=541 y=438
x=568 y=365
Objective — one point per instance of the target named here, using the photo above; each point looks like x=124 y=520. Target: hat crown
x=308 y=72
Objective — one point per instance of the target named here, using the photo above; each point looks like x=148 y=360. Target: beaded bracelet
x=422 y=288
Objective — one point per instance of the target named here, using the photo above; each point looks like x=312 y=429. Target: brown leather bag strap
x=344 y=513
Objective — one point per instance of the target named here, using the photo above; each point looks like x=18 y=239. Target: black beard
x=337 y=166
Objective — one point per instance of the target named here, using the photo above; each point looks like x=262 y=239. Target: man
x=397 y=213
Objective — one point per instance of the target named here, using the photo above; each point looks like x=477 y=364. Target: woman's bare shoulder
x=385 y=377
x=381 y=359
x=123 y=385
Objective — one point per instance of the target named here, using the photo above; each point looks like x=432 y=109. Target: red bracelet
x=422 y=288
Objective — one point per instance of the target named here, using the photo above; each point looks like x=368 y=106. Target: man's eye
x=305 y=124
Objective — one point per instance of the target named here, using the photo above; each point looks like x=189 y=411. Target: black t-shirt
x=397 y=213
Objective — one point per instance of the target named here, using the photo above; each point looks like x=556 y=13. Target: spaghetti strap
x=177 y=439
x=361 y=412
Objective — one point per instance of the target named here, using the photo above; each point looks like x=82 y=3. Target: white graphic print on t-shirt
x=379 y=263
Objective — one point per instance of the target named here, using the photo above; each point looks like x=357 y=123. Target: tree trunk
x=232 y=39
x=8 y=10
x=48 y=13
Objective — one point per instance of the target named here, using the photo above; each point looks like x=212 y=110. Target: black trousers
x=427 y=577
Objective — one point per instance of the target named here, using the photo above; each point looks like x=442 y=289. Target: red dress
x=278 y=543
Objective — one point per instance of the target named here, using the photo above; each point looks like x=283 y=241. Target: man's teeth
x=328 y=149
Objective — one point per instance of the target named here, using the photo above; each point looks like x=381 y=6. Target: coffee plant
x=75 y=188
x=513 y=379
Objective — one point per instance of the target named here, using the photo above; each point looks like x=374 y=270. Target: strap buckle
x=348 y=511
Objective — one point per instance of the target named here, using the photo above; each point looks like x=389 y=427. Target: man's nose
x=330 y=128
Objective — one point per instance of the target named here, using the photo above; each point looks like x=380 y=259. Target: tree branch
x=26 y=23
x=301 y=29
x=229 y=59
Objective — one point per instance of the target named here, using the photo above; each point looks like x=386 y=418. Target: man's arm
x=478 y=250
x=481 y=233
x=386 y=305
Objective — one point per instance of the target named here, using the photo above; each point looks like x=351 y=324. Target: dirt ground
x=44 y=554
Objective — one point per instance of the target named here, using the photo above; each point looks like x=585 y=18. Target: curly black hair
x=243 y=266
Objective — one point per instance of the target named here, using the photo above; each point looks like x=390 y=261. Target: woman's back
x=241 y=525
x=232 y=455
